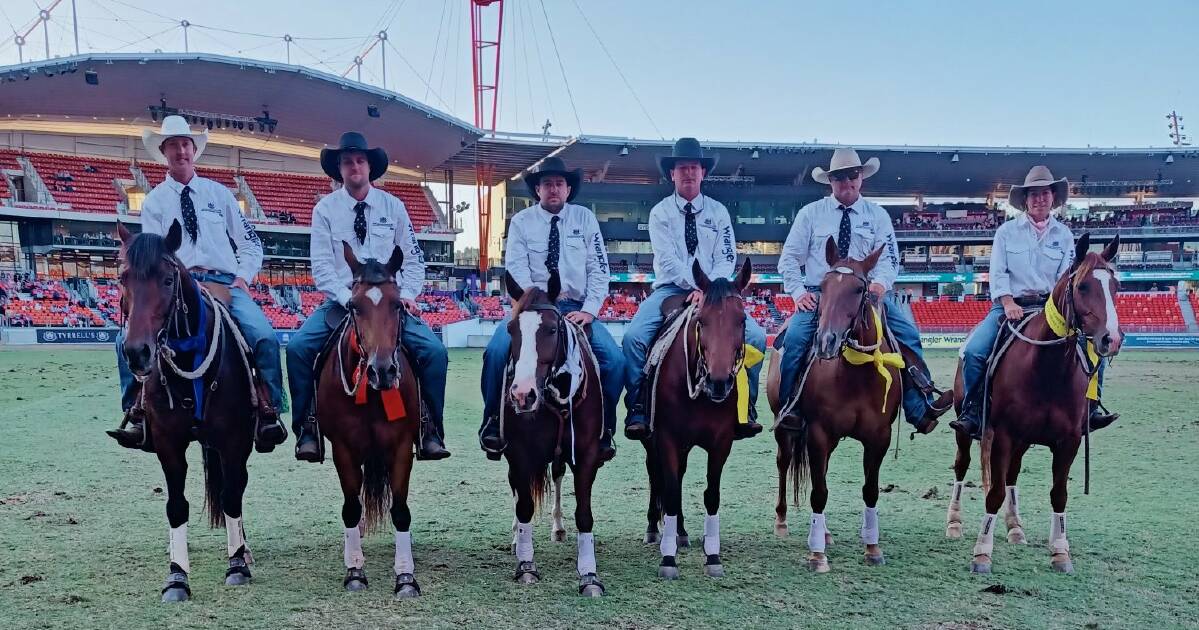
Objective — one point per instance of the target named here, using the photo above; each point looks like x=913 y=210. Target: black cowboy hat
x=686 y=149
x=353 y=141
x=554 y=166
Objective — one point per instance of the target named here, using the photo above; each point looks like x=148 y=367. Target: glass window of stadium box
x=85 y=234
x=10 y=248
x=64 y=264
x=282 y=245
x=440 y=252
x=285 y=273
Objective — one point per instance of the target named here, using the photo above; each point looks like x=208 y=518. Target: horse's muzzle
x=1108 y=345
x=828 y=344
x=719 y=390
x=140 y=358
x=382 y=377
x=525 y=400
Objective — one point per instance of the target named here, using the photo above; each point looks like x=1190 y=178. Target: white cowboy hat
x=172 y=127
x=844 y=159
x=1039 y=176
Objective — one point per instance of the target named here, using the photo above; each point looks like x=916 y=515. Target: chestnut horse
x=852 y=389
x=368 y=405
x=183 y=346
x=553 y=418
x=1039 y=396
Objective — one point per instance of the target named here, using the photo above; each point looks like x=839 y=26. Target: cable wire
x=619 y=71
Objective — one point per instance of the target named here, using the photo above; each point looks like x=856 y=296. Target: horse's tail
x=798 y=469
x=214 y=481
x=376 y=488
x=539 y=485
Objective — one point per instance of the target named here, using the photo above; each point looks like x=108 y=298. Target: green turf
x=83 y=532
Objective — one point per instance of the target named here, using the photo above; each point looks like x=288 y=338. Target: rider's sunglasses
x=844 y=176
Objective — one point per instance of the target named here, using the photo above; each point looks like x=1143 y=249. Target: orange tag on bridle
x=393 y=401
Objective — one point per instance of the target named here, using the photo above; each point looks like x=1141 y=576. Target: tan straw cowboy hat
x=1039 y=176
x=843 y=160
x=172 y=127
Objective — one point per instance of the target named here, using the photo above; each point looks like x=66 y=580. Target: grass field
x=83 y=532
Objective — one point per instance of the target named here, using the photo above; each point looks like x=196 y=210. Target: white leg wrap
x=524 y=542
x=353 y=549
x=178 y=548
x=870 y=526
x=586 y=563
x=816 y=534
x=986 y=536
x=1013 y=501
x=235 y=536
x=955 y=497
x=1057 y=533
x=669 y=545
x=403 y=563
x=711 y=534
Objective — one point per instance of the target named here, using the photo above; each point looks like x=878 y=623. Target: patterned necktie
x=189 y=214
x=555 y=248
x=360 y=221
x=689 y=232
x=843 y=233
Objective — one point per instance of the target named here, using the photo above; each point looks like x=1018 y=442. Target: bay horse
x=552 y=418
x=1039 y=396
x=196 y=383
x=694 y=404
x=852 y=389
x=368 y=405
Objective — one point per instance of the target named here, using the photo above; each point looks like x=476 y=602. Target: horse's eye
x=1082 y=288
x=169 y=280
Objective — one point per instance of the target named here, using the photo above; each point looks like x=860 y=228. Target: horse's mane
x=533 y=296
x=1090 y=262
x=143 y=255
x=374 y=272
x=720 y=289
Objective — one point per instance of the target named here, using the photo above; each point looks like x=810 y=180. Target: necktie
x=189 y=214
x=689 y=232
x=360 y=221
x=555 y=247
x=843 y=233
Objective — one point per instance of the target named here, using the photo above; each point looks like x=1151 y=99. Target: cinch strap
x=881 y=360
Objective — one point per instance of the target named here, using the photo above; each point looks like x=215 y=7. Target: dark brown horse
x=694 y=404
x=196 y=383
x=551 y=420
x=1039 y=396
x=368 y=405
x=845 y=395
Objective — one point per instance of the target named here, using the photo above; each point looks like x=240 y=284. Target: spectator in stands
x=1029 y=254
x=859 y=228
x=685 y=227
x=213 y=225
x=372 y=222
x=555 y=236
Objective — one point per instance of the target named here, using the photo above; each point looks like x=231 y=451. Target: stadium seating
x=490 y=307
x=945 y=315
x=416 y=201
x=47 y=303
x=1149 y=312
x=87 y=184
x=280 y=193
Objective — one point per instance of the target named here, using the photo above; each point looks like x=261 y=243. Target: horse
x=553 y=418
x=1039 y=396
x=695 y=388
x=196 y=383
x=851 y=389
x=368 y=406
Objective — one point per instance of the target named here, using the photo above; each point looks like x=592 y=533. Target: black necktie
x=555 y=248
x=360 y=221
x=843 y=233
x=189 y=213
x=689 y=232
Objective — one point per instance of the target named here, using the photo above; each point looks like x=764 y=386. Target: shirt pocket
x=383 y=233
x=862 y=242
x=1051 y=261
x=819 y=238
x=1017 y=256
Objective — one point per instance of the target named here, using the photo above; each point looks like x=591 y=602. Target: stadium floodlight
x=624 y=150
x=754 y=155
x=91 y=77
x=372 y=111
x=1169 y=160
x=955 y=159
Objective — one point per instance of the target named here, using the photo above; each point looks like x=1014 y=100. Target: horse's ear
x=174 y=237
x=514 y=288
x=396 y=262
x=872 y=259
x=348 y=253
x=698 y=276
x=744 y=275
x=553 y=286
x=1109 y=252
x=1081 y=246
x=830 y=252
x=123 y=234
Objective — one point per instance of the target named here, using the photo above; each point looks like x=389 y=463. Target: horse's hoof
x=652 y=538
x=714 y=570
x=558 y=536
x=819 y=566
x=175 y=595
x=1062 y=565
x=591 y=590
x=953 y=530
x=406 y=591
x=355 y=586
x=781 y=531
x=980 y=565
x=684 y=542
x=668 y=573
x=1016 y=536
x=237 y=579
x=527 y=578
x=875 y=561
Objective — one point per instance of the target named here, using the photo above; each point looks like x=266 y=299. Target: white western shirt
x=1023 y=264
x=802 y=261
x=582 y=258
x=387 y=227
x=219 y=220
x=717 y=249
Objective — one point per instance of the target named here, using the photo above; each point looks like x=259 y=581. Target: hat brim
x=152 y=140
x=331 y=162
x=666 y=163
x=1018 y=195
x=573 y=179
x=869 y=168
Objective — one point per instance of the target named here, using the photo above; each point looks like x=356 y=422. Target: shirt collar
x=546 y=215
x=176 y=186
x=698 y=203
x=372 y=197
x=857 y=206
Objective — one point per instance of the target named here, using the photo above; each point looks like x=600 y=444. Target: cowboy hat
x=554 y=166
x=353 y=141
x=843 y=160
x=1039 y=176
x=172 y=127
x=686 y=149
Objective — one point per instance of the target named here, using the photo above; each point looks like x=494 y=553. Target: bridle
x=350 y=326
x=558 y=367
x=867 y=298
x=702 y=376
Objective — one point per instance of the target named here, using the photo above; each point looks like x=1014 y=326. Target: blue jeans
x=254 y=326
x=798 y=340
x=426 y=352
x=977 y=350
x=640 y=333
x=611 y=365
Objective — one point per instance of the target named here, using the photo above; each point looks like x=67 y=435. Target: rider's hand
x=1012 y=311
x=580 y=317
x=807 y=302
x=696 y=297
x=411 y=306
x=240 y=283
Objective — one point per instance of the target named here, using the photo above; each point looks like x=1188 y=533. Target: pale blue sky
x=921 y=72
